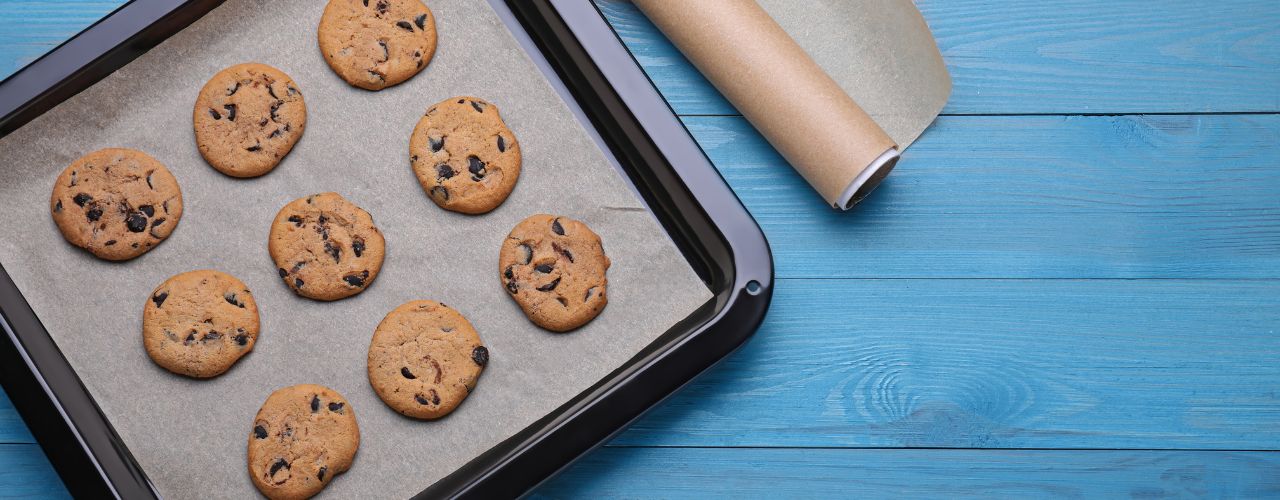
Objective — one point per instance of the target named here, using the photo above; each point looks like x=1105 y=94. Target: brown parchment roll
x=794 y=104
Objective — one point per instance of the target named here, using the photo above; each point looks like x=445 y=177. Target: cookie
x=116 y=203
x=554 y=267
x=374 y=44
x=464 y=155
x=302 y=437
x=425 y=359
x=325 y=247
x=199 y=323
x=247 y=118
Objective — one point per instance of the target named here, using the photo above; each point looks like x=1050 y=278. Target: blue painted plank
x=823 y=473
x=30 y=28
x=12 y=429
x=1031 y=197
x=1153 y=364
x=1064 y=57
x=26 y=473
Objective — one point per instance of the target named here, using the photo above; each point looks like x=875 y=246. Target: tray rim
x=682 y=188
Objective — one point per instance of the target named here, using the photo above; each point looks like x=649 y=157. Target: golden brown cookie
x=199 y=323
x=116 y=203
x=464 y=155
x=325 y=247
x=554 y=267
x=247 y=118
x=302 y=437
x=374 y=44
x=424 y=359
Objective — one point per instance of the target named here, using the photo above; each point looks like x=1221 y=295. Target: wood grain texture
x=1065 y=57
x=26 y=473
x=895 y=474
x=1031 y=197
x=29 y=28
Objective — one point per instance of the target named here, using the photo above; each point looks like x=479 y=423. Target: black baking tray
x=596 y=73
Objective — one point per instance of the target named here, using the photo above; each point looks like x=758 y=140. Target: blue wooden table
x=1070 y=286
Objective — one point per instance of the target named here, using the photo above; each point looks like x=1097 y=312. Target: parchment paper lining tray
x=190 y=435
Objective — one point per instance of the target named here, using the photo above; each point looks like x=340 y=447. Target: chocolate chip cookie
x=325 y=247
x=199 y=323
x=247 y=118
x=374 y=44
x=554 y=267
x=302 y=437
x=116 y=203
x=464 y=155
x=425 y=359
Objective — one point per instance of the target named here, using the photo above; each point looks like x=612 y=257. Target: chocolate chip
x=231 y=91
x=231 y=111
x=82 y=198
x=333 y=250
x=512 y=286
x=335 y=407
x=320 y=473
x=421 y=21
x=73 y=179
x=283 y=272
x=212 y=336
x=280 y=463
x=404 y=25
x=159 y=298
x=275 y=108
x=562 y=251
x=422 y=400
x=357 y=246
x=94 y=213
x=297 y=221
x=254 y=148
x=382 y=6
x=233 y=300
x=136 y=222
x=475 y=166
x=156 y=223
x=440 y=192
x=274 y=134
x=549 y=286
x=480 y=355
x=436 y=144
x=297 y=282
x=385 y=56
x=57 y=207
x=590 y=291
x=562 y=301
x=404 y=372
x=508 y=273
x=272 y=92
x=356 y=280
x=241 y=339
x=526 y=253
x=315 y=404
x=149 y=181
x=214 y=113
x=543 y=268
x=148 y=209
x=556 y=227
x=444 y=171
x=502 y=145
x=259 y=432
x=477 y=106
x=191 y=338
x=109 y=243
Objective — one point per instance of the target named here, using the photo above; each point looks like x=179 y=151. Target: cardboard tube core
x=868 y=180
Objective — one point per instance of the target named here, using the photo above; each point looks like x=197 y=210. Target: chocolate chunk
x=109 y=243
x=590 y=292
x=335 y=407
x=556 y=227
x=444 y=171
x=512 y=286
x=440 y=192
x=136 y=222
x=475 y=166
x=297 y=282
x=149 y=181
x=356 y=280
x=508 y=273
x=280 y=463
x=259 y=432
x=404 y=372
x=421 y=21
x=297 y=221
x=562 y=251
x=191 y=338
x=479 y=107
x=94 y=214
x=315 y=404
x=502 y=145
x=549 y=286
x=212 y=335
x=272 y=92
x=254 y=148
x=357 y=246
x=233 y=300
x=241 y=339
x=82 y=198
x=334 y=251
x=231 y=111
x=275 y=133
x=214 y=113
x=159 y=298
x=231 y=91
x=544 y=268
x=275 y=108
x=526 y=253
x=404 y=25
x=422 y=400
x=480 y=355
x=320 y=473
x=436 y=143
x=283 y=272
x=382 y=6
x=57 y=207
x=148 y=209
x=385 y=54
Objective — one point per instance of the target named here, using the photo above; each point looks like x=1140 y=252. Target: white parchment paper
x=190 y=435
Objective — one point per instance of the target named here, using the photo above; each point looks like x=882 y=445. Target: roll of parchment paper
x=806 y=115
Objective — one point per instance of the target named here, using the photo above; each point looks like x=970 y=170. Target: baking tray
x=585 y=61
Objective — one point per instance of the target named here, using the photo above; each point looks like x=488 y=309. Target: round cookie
x=325 y=247
x=465 y=157
x=374 y=44
x=247 y=118
x=302 y=437
x=424 y=359
x=554 y=267
x=199 y=323
x=116 y=203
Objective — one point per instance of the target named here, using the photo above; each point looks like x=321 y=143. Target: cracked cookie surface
x=302 y=437
x=554 y=267
x=375 y=44
x=325 y=247
x=116 y=203
x=199 y=323
x=247 y=118
x=465 y=157
x=424 y=359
